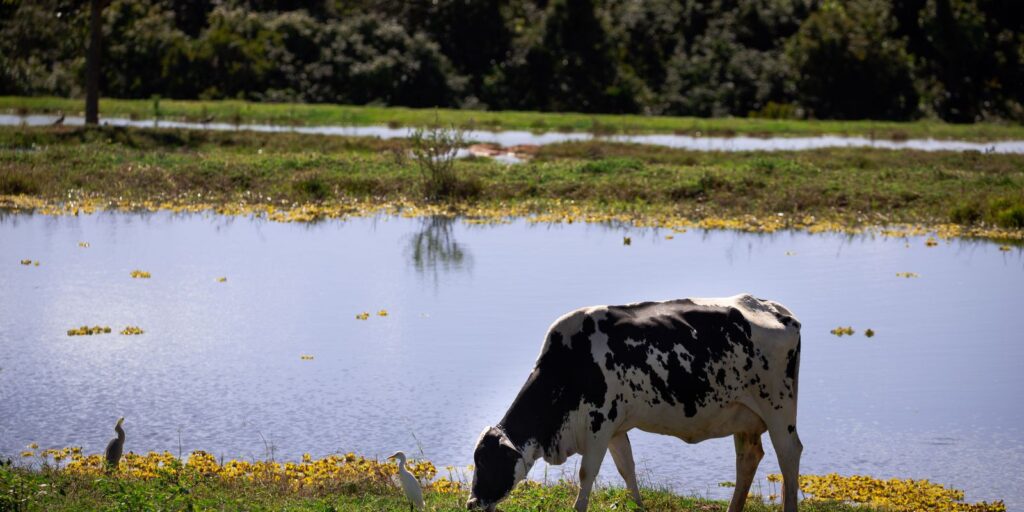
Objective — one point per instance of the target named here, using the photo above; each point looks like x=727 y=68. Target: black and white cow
x=695 y=369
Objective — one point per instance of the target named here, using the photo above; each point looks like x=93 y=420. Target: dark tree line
x=960 y=60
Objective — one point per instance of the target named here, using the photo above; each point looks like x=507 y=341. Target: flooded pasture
x=511 y=138
x=272 y=360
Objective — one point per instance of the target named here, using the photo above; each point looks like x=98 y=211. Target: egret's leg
x=748 y=455
x=788 y=448
x=622 y=454
x=589 y=467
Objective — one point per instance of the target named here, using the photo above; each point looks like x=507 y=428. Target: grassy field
x=50 y=490
x=848 y=188
x=240 y=112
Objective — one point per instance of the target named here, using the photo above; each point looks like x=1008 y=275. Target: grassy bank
x=842 y=189
x=49 y=490
x=67 y=479
x=240 y=112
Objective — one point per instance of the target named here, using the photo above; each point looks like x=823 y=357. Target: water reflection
x=434 y=250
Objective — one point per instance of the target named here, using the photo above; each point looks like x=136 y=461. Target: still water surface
x=935 y=394
x=517 y=137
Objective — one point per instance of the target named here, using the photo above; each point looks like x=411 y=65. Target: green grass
x=323 y=114
x=48 y=490
x=855 y=187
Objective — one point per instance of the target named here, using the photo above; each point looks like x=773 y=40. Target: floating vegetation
x=35 y=263
x=363 y=316
x=382 y=312
x=140 y=274
x=132 y=330
x=907 y=275
x=222 y=279
x=790 y=253
x=669 y=237
x=84 y=245
x=627 y=240
x=306 y=357
x=843 y=331
x=1004 y=248
x=329 y=471
x=931 y=242
x=898 y=495
x=26 y=262
x=726 y=484
x=533 y=211
x=85 y=330
x=869 y=333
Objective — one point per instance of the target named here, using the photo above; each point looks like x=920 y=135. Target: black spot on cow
x=791 y=429
x=596 y=420
x=565 y=378
x=764 y=362
x=720 y=377
x=708 y=334
x=613 y=412
x=749 y=365
x=792 y=357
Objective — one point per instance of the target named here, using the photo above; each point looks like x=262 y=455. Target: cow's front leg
x=748 y=454
x=589 y=467
x=622 y=454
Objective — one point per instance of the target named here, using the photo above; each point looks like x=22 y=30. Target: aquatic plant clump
x=843 y=331
x=132 y=330
x=85 y=330
x=140 y=274
x=898 y=495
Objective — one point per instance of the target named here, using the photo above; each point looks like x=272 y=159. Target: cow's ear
x=507 y=443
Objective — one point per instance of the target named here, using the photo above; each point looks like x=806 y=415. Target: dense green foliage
x=961 y=60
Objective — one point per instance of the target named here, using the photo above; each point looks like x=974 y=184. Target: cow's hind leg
x=589 y=466
x=622 y=454
x=788 y=448
x=748 y=455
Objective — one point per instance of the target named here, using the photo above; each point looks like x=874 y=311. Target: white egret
x=115 y=447
x=410 y=485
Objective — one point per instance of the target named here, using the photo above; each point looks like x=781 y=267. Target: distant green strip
x=307 y=114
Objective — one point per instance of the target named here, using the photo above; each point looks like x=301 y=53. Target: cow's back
x=672 y=363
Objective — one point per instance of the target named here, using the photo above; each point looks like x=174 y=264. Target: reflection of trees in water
x=435 y=251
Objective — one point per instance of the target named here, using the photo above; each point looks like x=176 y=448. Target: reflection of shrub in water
x=434 y=249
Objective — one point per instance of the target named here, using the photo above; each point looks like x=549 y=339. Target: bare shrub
x=435 y=149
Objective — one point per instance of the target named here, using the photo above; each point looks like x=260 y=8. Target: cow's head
x=499 y=467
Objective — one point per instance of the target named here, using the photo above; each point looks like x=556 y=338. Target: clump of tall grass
x=435 y=149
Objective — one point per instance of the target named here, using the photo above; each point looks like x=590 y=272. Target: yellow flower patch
x=85 y=330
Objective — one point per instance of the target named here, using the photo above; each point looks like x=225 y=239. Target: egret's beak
x=393 y=455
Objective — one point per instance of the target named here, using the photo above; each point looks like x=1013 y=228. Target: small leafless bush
x=435 y=149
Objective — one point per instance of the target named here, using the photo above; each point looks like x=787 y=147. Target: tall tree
x=92 y=64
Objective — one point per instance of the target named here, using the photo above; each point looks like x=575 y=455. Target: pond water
x=516 y=137
x=934 y=394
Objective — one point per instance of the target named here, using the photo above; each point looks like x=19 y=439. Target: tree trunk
x=92 y=65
